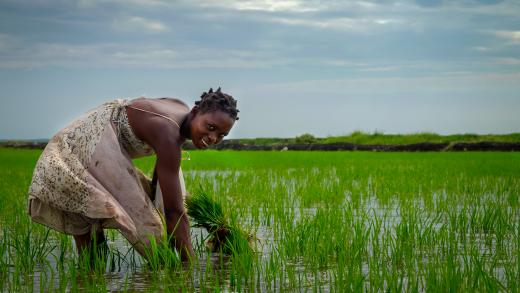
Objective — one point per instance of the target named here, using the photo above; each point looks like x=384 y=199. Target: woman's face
x=210 y=128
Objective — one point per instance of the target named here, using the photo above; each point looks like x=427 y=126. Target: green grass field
x=325 y=221
x=359 y=137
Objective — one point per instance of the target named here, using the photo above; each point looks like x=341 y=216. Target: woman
x=85 y=181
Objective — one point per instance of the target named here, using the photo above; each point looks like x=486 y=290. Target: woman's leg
x=92 y=243
x=82 y=242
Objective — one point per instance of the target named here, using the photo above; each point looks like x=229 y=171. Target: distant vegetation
x=358 y=137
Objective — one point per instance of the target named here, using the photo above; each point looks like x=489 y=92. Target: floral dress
x=85 y=180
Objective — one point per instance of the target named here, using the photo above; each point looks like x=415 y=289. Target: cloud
x=482 y=49
x=294 y=6
x=292 y=33
x=382 y=69
x=65 y=55
x=272 y=6
x=513 y=37
x=508 y=61
x=149 y=3
x=263 y=5
x=352 y=16
x=146 y=57
x=8 y=42
x=507 y=8
x=115 y=55
x=242 y=5
x=54 y=54
x=342 y=63
x=455 y=82
x=341 y=24
x=136 y=23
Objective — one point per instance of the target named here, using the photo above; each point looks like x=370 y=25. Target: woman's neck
x=185 y=126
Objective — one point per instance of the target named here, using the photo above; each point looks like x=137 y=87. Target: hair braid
x=218 y=101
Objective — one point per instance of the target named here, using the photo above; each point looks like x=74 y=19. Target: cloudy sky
x=296 y=66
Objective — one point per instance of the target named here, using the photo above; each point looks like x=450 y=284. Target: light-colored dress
x=85 y=180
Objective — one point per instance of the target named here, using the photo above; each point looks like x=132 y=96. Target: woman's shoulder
x=142 y=114
x=170 y=108
x=161 y=104
x=175 y=101
x=163 y=100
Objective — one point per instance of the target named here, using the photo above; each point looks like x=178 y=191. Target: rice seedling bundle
x=225 y=234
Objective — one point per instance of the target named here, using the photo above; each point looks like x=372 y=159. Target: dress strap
x=156 y=114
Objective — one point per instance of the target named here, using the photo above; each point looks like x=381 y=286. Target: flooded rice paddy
x=325 y=222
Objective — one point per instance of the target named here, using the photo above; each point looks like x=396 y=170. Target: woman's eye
x=211 y=127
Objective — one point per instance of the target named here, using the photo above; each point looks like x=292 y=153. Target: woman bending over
x=85 y=181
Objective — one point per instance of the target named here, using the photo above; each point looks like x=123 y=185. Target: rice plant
x=225 y=234
x=328 y=221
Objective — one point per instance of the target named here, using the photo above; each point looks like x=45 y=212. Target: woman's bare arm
x=168 y=162
x=164 y=137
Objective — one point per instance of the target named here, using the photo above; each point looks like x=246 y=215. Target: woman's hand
x=179 y=227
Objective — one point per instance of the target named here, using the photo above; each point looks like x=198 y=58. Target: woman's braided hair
x=217 y=101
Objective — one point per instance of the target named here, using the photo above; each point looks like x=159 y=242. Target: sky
x=326 y=67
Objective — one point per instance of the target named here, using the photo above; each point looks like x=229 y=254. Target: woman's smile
x=204 y=142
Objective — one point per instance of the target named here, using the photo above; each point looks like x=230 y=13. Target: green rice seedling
x=27 y=249
x=64 y=250
x=225 y=234
x=3 y=258
x=160 y=254
x=332 y=221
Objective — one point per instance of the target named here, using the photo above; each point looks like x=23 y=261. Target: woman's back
x=165 y=110
x=132 y=129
